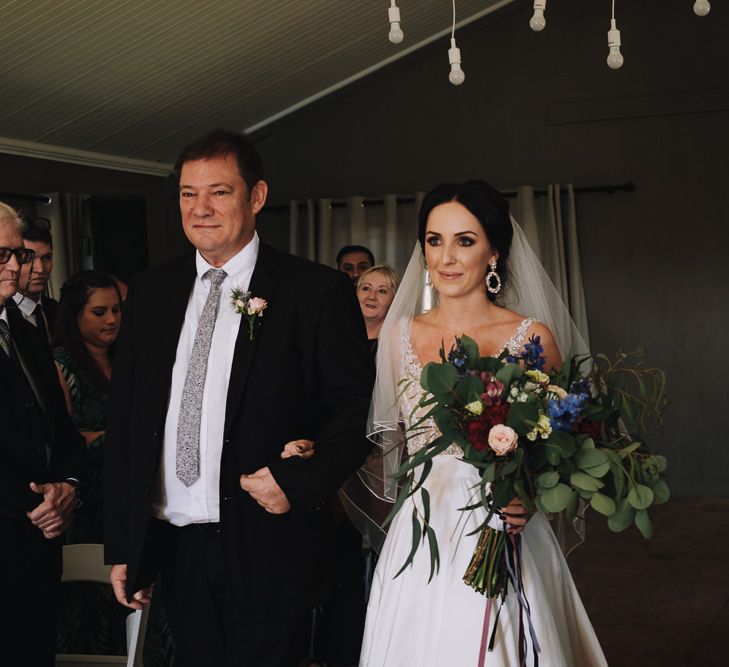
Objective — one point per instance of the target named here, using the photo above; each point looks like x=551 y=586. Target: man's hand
x=54 y=514
x=118 y=578
x=516 y=516
x=263 y=489
x=302 y=448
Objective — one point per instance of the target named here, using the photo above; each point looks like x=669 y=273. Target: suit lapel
x=170 y=315
x=263 y=285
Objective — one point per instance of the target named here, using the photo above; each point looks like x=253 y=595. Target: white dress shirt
x=27 y=307
x=200 y=502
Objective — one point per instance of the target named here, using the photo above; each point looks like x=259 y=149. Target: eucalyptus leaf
x=661 y=492
x=417 y=530
x=589 y=458
x=602 y=503
x=640 y=497
x=548 y=479
x=554 y=454
x=557 y=498
x=565 y=442
x=434 y=554
x=508 y=373
x=469 y=389
x=587 y=444
x=599 y=470
x=441 y=380
x=644 y=523
x=585 y=482
x=522 y=417
x=623 y=516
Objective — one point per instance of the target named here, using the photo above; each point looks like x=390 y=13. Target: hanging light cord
x=453 y=29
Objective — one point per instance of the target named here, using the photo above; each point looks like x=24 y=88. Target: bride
x=465 y=235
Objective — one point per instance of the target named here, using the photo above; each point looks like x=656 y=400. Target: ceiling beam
x=83 y=158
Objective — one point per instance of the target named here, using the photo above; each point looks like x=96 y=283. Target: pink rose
x=502 y=439
x=256 y=305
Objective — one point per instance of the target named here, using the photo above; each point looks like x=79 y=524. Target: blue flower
x=458 y=357
x=564 y=412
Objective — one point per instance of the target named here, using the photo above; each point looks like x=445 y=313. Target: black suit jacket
x=307 y=374
x=26 y=431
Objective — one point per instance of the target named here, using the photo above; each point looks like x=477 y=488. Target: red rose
x=496 y=414
x=591 y=427
x=477 y=432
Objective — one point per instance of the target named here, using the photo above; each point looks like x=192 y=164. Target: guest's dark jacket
x=30 y=432
x=308 y=373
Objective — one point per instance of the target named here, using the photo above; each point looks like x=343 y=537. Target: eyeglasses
x=23 y=255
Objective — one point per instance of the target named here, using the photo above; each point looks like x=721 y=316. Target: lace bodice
x=410 y=370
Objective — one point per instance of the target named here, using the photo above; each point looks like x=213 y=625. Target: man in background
x=40 y=465
x=31 y=298
x=354 y=260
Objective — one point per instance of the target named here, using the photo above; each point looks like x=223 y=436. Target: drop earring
x=493 y=279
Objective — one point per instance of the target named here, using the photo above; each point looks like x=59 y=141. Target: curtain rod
x=509 y=194
x=38 y=198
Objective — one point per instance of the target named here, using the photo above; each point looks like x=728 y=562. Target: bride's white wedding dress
x=413 y=623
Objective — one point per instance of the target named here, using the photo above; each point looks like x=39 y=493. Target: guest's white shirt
x=200 y=502
x=27 y=307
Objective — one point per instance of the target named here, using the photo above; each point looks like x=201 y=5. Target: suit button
x=155 y=435
x=226 y=441
x=148 y=490
x=226 y=498
x=29 y=404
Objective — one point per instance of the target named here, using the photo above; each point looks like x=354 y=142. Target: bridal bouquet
x=552 y=439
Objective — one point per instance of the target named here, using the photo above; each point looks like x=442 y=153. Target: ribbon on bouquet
x=514 y=565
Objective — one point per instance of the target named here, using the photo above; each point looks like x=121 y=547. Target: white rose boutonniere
x=250 y=306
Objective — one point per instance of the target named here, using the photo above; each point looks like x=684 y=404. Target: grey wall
x=24 y=175
x=541 y=108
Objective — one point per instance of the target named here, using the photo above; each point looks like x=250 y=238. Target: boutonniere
x=250 y=306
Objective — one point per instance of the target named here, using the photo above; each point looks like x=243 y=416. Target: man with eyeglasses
x=40 y=464
x=31 y=298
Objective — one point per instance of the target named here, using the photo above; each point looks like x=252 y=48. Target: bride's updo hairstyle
x=488 y=206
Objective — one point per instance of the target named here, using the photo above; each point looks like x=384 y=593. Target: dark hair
x=74 y=296
x=354 y=248
x=487 y=205
x=37 y=231
x=220 y=143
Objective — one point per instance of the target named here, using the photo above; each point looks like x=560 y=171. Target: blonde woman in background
x=376 y=289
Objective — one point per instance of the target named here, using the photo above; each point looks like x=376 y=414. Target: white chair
x=85 y=562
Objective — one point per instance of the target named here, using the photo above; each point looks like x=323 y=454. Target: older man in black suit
x=41 y=464
x=204 y=398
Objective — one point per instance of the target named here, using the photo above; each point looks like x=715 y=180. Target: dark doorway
x=119 y=235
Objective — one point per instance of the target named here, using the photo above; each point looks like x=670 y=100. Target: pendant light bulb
x=615 y=58
x=702 y=7
x=456 y=76
x=396 y=34
x=537 y=22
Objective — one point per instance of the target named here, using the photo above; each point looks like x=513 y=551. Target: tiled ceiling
x=135 y=79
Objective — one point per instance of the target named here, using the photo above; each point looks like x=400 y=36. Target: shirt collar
x=26 y=304
x=238 y=266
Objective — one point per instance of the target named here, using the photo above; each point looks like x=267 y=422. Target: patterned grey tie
x=188 y=424
x=8 y=347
